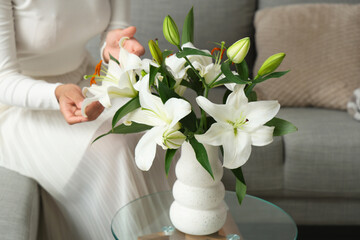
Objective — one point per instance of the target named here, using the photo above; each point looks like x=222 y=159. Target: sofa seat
x=312 y=174
x=323 y=157
x=20 y=204
x=320 y=160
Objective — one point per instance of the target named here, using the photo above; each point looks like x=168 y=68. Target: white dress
x=42 y=44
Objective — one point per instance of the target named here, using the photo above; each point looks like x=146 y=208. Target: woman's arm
x=20 y=90
x=17 y=89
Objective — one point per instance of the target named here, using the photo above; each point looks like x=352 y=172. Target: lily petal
x=146 y=148
x=177 y=109
x=87 y=102
x=215 y=135
x=144 y=117
x=114 y=71
x=129 y=61
x=127 y=80
x=175 y=63
x=230 y=86
x=237 y=98
x=105 y=100
x=260 y=112
x=148 y=100
x=262 y=136
x=237 y=150
x=211 y=72
x=219 y=112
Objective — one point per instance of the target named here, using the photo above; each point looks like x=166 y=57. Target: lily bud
x=173 y=139
x=271 y=64
x=155 y=51
x=237 y=52
x=171 y=32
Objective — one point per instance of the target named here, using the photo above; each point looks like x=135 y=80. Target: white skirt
x=83 y=184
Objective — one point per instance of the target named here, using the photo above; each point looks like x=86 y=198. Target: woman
x=42 y=63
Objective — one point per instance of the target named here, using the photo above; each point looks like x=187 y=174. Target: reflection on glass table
x=255 y=219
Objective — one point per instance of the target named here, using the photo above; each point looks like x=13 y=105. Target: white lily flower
x=117 y=83
x=178 y=69
x=239 y=124
x=165 y=121
x=209 y=72
x=129 y=61
x=119 y=79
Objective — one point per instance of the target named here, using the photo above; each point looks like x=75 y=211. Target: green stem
x=192 y=66
x=203 y=120
x=211 y=85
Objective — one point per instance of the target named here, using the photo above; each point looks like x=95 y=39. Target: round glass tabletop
x=147 y=217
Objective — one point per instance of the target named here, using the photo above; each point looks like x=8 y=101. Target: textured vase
x=199 y=207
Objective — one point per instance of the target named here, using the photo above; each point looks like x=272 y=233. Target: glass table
x=255 y=218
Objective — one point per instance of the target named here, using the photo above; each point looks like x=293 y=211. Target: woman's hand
x=70 y=98
x=112 y=43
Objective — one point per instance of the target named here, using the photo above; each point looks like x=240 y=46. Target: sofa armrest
x=19 y=206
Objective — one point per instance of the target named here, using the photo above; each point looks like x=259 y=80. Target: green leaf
x=166 y=93
x=171 y=82
x=252 y=96
x=125 y=109
x=153 y=72
x=225 y=68
x=186 y=84
x=191 y=51
x=271 y=75
x=133 y=128
x=114 y=59
x=168 y=159
x=188 y=28
x=201 y=155
x=102 y=135
x=190 y=122
x=195 y=83
x=240 y=184
x=282 y=126
x=221 y=82
x=249 y=89
x=165 y=54
x=243 y=70
x=125 y=129
x=210 y=120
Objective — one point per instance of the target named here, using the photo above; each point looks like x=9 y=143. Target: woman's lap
x=89 y=182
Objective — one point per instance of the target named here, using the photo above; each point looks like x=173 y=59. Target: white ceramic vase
x=199 y=207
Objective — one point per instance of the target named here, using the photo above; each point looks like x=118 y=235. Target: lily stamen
x=218 y=49
x=96 y=73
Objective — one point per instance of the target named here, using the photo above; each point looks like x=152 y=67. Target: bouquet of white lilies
x=156 y=104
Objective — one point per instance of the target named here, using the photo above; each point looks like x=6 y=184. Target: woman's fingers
x=112 y=43
x=94 y=110
x=70 y=99
x=127 y=32
x=71 y=112
x=133 y=46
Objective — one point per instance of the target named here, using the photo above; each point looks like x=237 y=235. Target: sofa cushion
x=323 y=157
x=215 y=21
x=321 y=43
x=19 y=206
x=274 y=3
x=320 y=160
